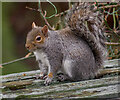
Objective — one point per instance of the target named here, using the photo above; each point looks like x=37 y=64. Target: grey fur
x=78 y=50
x=87 y=23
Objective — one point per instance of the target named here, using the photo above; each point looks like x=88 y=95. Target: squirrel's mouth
x=30 y=47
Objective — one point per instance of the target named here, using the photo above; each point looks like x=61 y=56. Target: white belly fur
x=43 y=57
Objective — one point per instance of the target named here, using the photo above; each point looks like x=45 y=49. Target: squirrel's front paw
x=49 y=79
x=42 y=75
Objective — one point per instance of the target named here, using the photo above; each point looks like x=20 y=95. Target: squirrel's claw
x=45 y=77
x=61 y=77
x=42 y=75
x=48 y=79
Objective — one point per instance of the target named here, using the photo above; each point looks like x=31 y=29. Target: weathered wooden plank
x=40 y=90
x=106 y=71
x=112 y=63
x=33 y=74
x=26 y=84
x=99 y=92
x=17 y=84
x=20 y=76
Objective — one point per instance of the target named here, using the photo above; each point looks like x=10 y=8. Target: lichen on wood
x=26 y=85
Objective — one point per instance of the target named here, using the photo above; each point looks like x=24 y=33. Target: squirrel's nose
x=27 y=46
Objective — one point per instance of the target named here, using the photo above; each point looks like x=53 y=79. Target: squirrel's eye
x=38 y=38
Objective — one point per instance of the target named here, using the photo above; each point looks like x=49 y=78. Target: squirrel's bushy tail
x=85 y=22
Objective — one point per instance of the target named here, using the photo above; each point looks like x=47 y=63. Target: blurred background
x=17 y=20
x=16 y=23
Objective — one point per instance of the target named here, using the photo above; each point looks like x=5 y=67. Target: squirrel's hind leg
x=64 y=73
x=75 y=70
x=68 y=70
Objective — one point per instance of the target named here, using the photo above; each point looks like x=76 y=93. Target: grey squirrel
x=77 y=50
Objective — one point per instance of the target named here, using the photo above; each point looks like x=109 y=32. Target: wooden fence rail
x=26 y=85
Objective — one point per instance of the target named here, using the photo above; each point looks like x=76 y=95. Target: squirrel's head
x=36 y=38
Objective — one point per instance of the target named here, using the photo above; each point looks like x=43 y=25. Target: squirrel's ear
x=33 y=25
x=45 y=30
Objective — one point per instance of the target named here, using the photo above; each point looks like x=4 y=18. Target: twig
x=107 y=14
x=62 y=13
x=118 y=32
x=1 y=66
x=47 y=21
x=103 y=7
x=114 y=19
x=28 y=55
x=110 y=28
x=31 y=8
x=23 y=58
x=111 y=43
x=43 y=16
x=110 y=6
